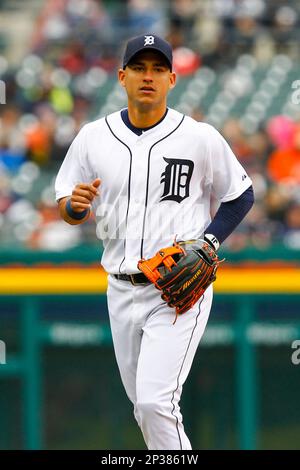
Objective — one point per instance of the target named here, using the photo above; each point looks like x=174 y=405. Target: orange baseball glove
x=182 y=272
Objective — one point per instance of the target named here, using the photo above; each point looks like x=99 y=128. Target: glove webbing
x=162 y=258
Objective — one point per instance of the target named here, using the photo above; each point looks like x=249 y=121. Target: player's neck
x=145 y=117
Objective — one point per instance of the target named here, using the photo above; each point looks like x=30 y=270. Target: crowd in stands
x=76 y=46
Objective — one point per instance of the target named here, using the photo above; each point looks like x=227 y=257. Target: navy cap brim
x=147 y=42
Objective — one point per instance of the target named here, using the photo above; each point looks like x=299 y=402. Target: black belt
x=135 y=279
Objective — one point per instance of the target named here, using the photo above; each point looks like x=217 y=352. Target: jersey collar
x=121 y=131
x=138 y=130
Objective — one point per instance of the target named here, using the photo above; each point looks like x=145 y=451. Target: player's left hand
x=182 y=272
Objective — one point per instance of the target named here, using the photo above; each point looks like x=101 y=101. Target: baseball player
x=148 y=172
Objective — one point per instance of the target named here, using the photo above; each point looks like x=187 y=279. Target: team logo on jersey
x=149 y=40
x=176 y=179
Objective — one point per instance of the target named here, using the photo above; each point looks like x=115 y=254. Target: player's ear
x=172 y=80
x=121 y=77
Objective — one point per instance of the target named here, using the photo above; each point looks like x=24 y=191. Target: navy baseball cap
x=147 y=41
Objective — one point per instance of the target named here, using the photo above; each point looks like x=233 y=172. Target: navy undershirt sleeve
x=230 y=214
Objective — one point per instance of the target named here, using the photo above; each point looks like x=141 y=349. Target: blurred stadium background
x=238 y=68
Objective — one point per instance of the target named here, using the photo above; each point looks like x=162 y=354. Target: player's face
x=147 y=80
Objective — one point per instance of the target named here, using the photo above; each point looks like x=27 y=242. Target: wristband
x=212 y=240
x=75 y=215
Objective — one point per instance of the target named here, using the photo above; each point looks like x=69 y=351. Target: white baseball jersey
x=154 y=186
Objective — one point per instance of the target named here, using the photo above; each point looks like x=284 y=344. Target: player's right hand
x=83 y=195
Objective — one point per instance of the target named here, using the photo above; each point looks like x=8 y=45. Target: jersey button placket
x=136 y=204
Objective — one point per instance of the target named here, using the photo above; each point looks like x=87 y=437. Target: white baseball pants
x=154 y=356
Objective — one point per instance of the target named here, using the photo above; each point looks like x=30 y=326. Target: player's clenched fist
x=83 y=195
x=76 y=209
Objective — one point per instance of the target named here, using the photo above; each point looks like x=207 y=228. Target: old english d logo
x=176 y=179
